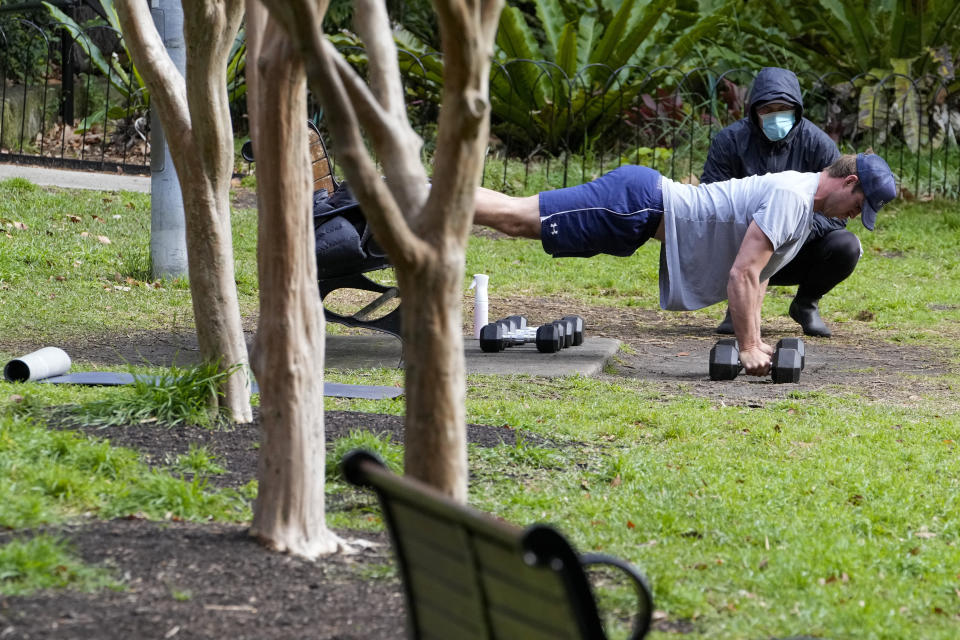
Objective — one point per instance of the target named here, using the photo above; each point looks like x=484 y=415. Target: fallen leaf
x=103 y=239
x=60 y=278
x=630 y=524
x=96 y=217
x=19 y=225
x=230 y=607
x=682 y=354
x=84 y=234
x=616 y=481
x=74 y=218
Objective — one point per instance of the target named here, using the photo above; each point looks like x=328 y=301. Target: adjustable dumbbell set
x=549 y=338
x=788 y=360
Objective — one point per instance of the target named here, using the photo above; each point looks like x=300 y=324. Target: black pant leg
x=821 y=264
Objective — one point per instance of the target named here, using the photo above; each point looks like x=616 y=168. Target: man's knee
x=841 y=249
x=514 y=216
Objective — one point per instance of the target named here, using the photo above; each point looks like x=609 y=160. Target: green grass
x=171 y=397
x=750 y=522
x=823 y=514
x=52 y=476
x=45 y=562
x=71 y=260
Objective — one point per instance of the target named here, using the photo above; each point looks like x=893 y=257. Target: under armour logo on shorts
x=553 y=229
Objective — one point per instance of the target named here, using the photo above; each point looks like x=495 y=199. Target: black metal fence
x=69 y=97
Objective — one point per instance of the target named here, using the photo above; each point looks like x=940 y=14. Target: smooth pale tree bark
x=288 y=354
x=196 y=118
x=424 y=231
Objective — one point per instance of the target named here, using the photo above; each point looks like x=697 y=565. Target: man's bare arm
x=745 y=294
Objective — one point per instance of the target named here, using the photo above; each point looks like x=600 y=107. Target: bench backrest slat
x=468 y=575
x=320 y=161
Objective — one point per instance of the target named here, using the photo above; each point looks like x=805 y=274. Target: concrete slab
x=76 y=179
x=587 y=359
x=370 y=351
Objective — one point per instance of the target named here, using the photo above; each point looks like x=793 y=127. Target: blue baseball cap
x=878 y=184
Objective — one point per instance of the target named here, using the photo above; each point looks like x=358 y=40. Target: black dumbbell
x=550 y=337
x=513 y=330
x=493 y=336
x=725 y=360
x=576 y=324
x=515 y=323
x=787 y=365
x=788 y=360
x=797 y=345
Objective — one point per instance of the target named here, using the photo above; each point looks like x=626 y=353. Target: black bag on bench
x=345 y=249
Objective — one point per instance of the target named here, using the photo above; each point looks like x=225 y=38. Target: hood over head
x=775 y=84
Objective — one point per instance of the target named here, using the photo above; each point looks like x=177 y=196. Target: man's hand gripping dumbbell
x=789 y=359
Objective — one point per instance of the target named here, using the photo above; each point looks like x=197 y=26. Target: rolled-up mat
x=42 y=363
x=51 y=364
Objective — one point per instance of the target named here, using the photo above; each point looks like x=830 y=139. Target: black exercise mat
x=331 y=389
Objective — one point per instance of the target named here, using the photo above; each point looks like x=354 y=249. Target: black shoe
x=805 y=312
x=726 y=327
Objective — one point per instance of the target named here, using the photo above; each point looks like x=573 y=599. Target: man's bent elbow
x=737 y=277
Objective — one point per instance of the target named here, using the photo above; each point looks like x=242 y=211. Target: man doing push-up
x=721 y=241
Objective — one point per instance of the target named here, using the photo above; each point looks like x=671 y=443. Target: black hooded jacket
x=742 y=149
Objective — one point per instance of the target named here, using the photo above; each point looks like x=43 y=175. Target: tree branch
x=209 y=31
x=464 y=117
x=169 y=90
x=379 y=204
x=399 y=142
x=373 y=27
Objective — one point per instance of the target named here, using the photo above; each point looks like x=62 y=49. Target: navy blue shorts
x=614 y=214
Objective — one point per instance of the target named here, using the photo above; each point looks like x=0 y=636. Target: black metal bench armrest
x=644 y=617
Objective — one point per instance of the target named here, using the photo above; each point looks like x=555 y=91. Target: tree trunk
x=424 y=235
x=197 y=121
x=289 y=350
x=435 y=424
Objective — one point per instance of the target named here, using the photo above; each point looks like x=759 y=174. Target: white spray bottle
x=480 y=283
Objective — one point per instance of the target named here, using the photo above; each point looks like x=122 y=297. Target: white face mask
x=778 y=124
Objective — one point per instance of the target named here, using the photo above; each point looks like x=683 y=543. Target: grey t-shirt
x=705 y=225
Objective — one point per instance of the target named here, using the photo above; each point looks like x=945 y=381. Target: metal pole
x=168 y=234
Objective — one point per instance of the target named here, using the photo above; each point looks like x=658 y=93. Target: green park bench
x=467 y=575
